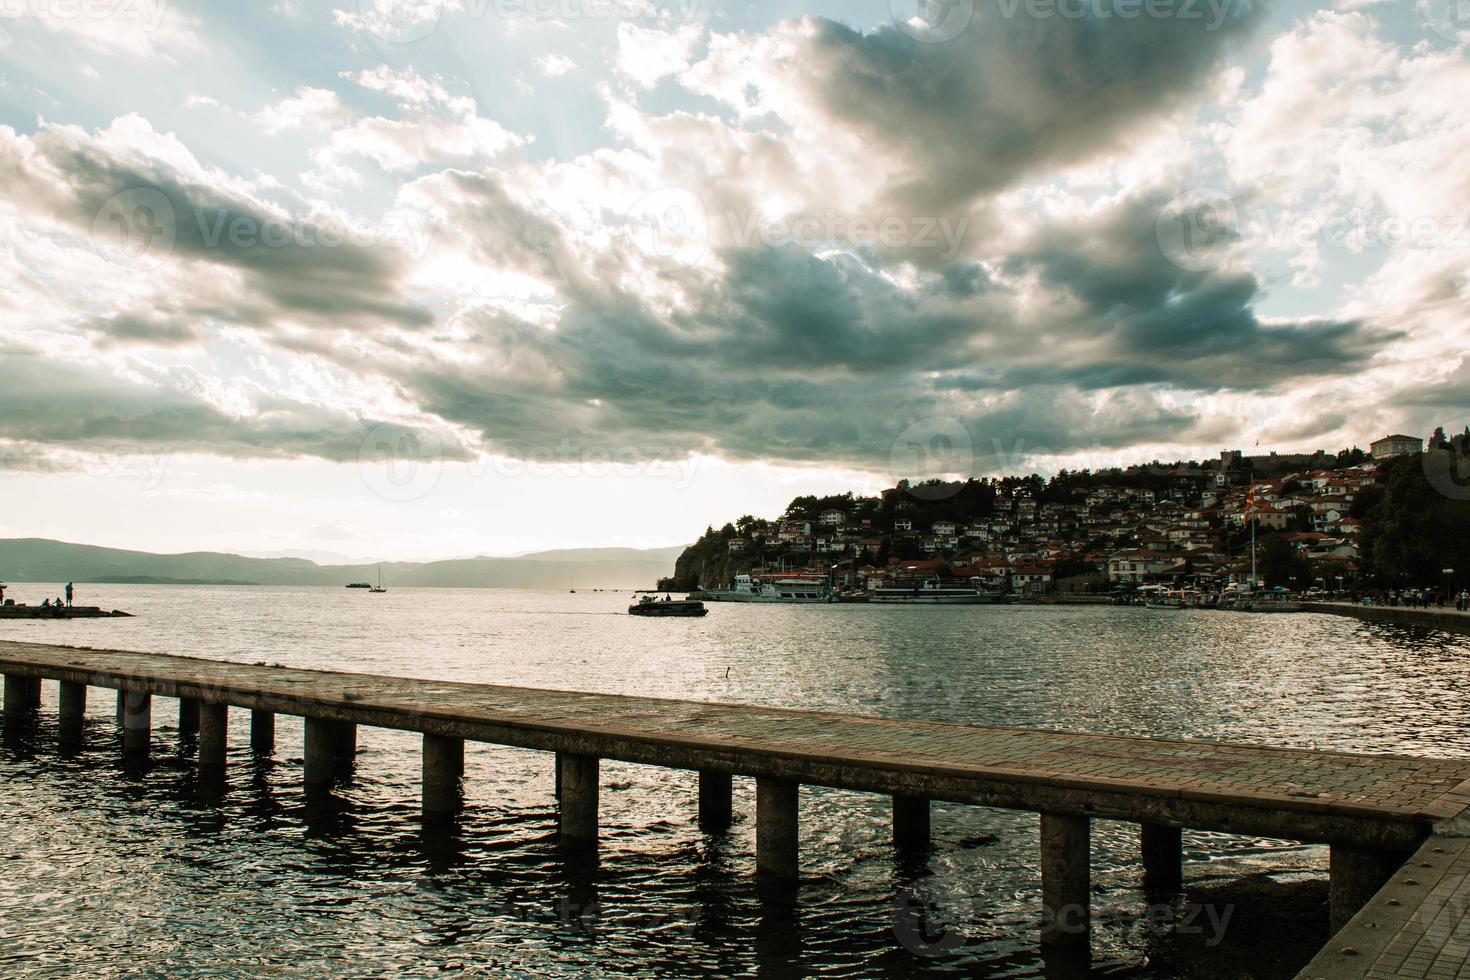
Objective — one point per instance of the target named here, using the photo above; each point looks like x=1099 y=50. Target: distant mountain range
x=41 y=560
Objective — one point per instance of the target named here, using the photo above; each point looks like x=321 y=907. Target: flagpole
x=1250 y=515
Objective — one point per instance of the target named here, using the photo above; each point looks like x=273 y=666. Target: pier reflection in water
x=105 y=863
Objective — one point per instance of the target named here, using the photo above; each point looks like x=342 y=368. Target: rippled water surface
x=112 y=871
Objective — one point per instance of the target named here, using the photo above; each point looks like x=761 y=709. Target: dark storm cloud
x=151 y=329
x=308 y=270
x=788 y=355
x=1147 y=320
x=54 y=403
x=1016 y=92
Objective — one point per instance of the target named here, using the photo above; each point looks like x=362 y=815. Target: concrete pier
x=1066 y=879
x=777 y=829
x=1356 y=875
x=443 y=776
x=578 y=778
x=1370 y=809
x=137 y=722
x=188 y=716
x=1162 y=850
x=214 y=724
x=716 y=805
x=71 y=711
x=911 y=823
x=263 y=731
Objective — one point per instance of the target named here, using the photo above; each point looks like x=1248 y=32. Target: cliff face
x=707 y=564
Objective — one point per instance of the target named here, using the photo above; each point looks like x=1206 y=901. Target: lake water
x=112 y=872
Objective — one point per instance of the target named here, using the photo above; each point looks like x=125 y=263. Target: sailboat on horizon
x=379 y=588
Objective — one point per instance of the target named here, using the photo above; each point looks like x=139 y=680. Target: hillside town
x=1182 y=525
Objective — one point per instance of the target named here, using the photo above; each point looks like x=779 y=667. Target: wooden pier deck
x=1373 y=810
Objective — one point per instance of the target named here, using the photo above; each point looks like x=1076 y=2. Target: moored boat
x=649 y=606
x=785 y=588
x=934 y=592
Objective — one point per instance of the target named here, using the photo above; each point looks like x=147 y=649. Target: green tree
x=1418 y=529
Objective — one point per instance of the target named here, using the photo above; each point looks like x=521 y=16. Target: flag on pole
x=1250 y=500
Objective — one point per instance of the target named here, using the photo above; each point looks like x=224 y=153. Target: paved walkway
x=1370 y=800
x=1418 y=926
x=1447 y=618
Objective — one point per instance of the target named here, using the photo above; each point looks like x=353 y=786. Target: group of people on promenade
x=1420 y=599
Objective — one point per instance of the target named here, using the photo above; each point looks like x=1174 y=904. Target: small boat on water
x=379 y=588
x=667 y=606
x=359 y=585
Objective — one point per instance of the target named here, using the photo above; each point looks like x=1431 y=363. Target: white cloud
x=555 y=65
x=647 y=55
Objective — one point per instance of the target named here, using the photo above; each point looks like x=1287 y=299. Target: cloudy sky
x=417 y=278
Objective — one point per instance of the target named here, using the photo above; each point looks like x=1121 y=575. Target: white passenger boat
x=933 y=592
x=790 y=588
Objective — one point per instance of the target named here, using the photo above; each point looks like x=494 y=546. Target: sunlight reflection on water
x=107 y=868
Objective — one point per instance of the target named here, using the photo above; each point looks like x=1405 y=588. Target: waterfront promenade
x=1372 y=810
x=1447 y=618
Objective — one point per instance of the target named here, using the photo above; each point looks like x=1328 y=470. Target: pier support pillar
x=1163 y=857
x=346 y=745
x=776 y=836
x=1355 y=876
x=137 y=722
x=22 y=695
x=188 y=716
x=71 y=708
x=122 y=706
x=1066 y=879
x=443 y=776
x=715 y=808
x=326 y=748
x=263 y=731
x=911 y=823
x=214 y=724
x=577 y=776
